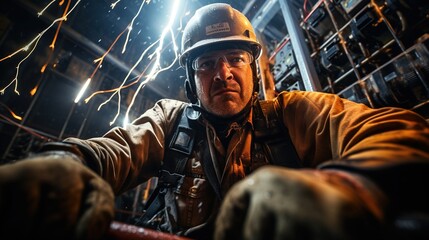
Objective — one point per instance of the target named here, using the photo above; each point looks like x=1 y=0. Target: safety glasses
x=234 y=59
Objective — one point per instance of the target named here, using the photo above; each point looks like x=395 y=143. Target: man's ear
x=189 y=91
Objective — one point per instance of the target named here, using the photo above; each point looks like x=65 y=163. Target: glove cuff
x=61 y=148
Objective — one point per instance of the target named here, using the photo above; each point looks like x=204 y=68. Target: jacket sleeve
x=128 y=156
x=326 y=127
x=388 y=145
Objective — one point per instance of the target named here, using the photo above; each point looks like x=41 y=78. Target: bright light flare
x=82 y=90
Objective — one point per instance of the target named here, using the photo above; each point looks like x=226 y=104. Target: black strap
x=156 y=200
x=176 y=155
x=181 y=142
x=271 y=132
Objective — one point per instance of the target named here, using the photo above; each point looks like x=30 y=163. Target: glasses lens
x=234 y=58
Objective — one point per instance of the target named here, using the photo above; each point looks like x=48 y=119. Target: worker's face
x=224 y=81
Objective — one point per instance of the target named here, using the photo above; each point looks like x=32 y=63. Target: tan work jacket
x=325 y=130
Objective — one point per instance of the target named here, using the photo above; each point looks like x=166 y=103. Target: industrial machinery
x=369 y=51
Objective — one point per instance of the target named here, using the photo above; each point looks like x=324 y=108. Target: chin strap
x=190 y=93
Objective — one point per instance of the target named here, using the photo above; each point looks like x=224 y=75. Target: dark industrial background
x=369 y=51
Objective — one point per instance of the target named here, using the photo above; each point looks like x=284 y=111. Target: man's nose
x=222 y=70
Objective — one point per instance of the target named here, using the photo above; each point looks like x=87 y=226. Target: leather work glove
x=53 y=197
x=280 y=203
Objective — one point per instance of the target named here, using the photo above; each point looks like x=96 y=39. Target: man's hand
x=279 y=203
x=53 y=197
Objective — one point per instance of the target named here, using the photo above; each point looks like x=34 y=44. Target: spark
x=32 y=46
x=52 y=46
x=34 y=90
x=44 y=9
x=14 y=115
x=113 y=5
x=130 y=27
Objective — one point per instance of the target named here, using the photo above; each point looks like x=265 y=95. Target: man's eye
x=237 y=59
x=206 y=64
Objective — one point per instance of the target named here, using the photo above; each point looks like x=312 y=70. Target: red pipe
x=124 y=231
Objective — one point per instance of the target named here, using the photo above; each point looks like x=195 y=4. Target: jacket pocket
x=194 y=199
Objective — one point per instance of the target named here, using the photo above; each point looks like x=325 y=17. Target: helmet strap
x=256 y=75
x=190 y=93
x=190 y=89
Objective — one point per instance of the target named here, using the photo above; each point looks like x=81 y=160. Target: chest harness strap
x=171 y=176
x=272 y=136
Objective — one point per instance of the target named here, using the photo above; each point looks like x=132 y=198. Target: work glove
x=53 y=196
x=280 y=203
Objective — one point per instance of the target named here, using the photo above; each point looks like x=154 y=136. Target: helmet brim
x=204 y=45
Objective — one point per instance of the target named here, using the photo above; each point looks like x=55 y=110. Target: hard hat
x=216 y=24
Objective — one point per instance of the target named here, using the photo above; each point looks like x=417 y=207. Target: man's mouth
x=224 y=91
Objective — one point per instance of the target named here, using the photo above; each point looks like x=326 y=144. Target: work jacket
x=327 y=132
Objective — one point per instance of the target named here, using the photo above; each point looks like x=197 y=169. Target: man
x=342 y=171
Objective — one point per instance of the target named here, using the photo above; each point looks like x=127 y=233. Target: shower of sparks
x=118 y=90
x=32 y=46
x=156 y=56
x=120 y=87
x=156 y=69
